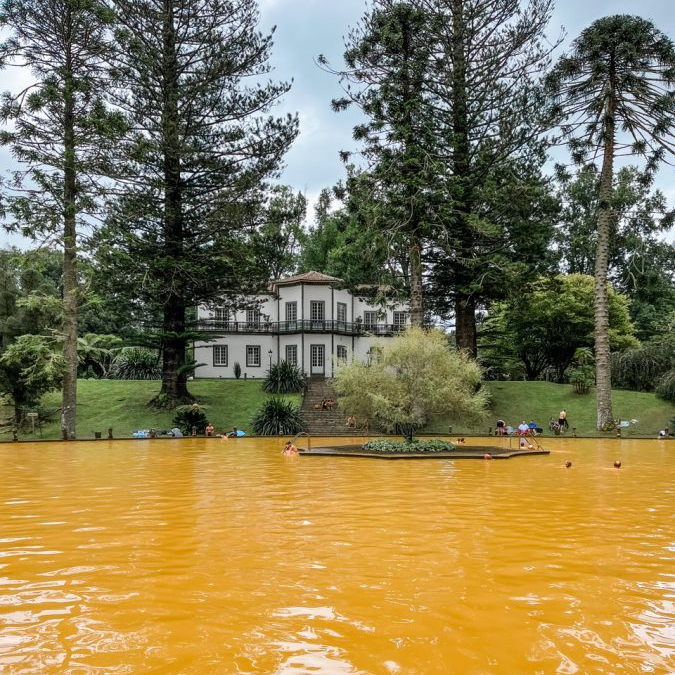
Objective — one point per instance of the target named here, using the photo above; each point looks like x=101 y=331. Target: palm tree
x=615 y=94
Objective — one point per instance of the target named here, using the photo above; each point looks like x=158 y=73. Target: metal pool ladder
x=309 y=441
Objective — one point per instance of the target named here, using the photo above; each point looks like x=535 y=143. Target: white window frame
x=292 y=354
x=342 y=354
x=398 y=323
x=320 y=306
x=369 y=319
x=341 y=312
x=253 y=318
x=292 y=311
x=253 y=356
x=218 y=361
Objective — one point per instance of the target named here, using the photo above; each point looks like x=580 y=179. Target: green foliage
x=29 y=368
x=665 y=386
x=188 y=416
x=136 y=363
x=639 y=369
x=284 y=378
x=418 y=377
x=582 y=379
x=414 y=446
x=546 y=325
x=237 y=369
x=278 y=417
x=96 y=354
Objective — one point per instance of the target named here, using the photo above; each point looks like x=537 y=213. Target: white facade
x=304 y=319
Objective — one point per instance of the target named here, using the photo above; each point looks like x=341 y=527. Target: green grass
x=514 y=402
x=121 y=404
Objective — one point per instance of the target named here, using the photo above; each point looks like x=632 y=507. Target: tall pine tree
x=190 y=79
x=60 y=133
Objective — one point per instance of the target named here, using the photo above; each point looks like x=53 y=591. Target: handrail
x=309 y=441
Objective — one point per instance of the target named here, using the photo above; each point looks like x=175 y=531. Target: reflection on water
x=198 y=557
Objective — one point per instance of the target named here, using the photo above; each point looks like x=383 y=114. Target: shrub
x=278 y=417
x=188 y=416
x=639 y=369
x=387 y=445
x=237 y=369
x=582 y=379
x=136 y=363
x=284 y=378
x=665 y=386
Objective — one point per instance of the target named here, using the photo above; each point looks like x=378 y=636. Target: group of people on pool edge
x=531 y=428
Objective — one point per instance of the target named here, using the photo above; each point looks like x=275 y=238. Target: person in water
x=290 y=449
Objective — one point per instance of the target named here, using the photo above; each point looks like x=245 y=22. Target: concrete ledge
x=474 y=452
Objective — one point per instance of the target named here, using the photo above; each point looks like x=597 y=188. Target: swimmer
x=289 y=449
x=617 y=464
x=568 y=464
x=487 y=455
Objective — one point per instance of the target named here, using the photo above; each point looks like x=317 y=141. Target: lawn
x=121 y=405
x=514 y=402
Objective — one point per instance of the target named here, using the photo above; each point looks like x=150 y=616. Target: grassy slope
x=540 y=401
x=121 y=405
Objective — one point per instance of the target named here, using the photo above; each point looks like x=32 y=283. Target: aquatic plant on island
x=415 y=378
x=413 y=447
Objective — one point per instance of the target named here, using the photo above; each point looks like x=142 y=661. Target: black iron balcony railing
x=303 y=326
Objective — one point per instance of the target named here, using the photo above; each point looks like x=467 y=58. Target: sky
x=307 y=28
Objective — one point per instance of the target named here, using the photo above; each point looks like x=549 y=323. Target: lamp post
x=269 y=353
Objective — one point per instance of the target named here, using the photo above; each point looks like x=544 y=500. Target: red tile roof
x=306 y=278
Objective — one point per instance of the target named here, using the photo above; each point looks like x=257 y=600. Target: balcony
x=303 y=326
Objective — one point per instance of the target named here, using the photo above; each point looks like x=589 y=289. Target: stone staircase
x=323 y=422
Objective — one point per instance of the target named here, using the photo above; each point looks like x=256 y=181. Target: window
x=316 y=311
x=253 y=356
x=219 y=355
x=221 y=316
x=291 y=311
x=399 y=320
x=292 y=354
x=342 y=354
x=369 y=319
x=253 y=318
x=341 y=311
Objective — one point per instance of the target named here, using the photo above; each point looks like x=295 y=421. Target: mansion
x=307 y=320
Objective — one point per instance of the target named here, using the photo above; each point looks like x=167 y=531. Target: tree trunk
x=605 y=418
x=174 y=381
x=465 y=324
x=416 y=305
x=465 y=304
x=69 y=398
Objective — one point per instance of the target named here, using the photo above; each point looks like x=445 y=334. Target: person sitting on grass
x=523 y=428
x=500 y=428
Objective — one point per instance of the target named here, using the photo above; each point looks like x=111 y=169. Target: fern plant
x=136 y=363
x=278 y=417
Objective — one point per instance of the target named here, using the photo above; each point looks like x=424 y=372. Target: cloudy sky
x=307 y=28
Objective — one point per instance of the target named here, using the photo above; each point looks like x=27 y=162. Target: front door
x=317 y=359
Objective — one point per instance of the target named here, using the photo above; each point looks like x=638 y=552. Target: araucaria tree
x=615 y=92
x=190 y=79
x=60 y=132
